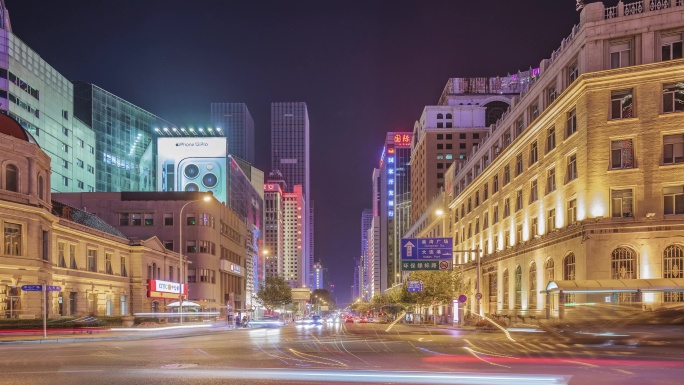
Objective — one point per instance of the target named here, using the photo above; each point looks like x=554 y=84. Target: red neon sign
x=402 y=140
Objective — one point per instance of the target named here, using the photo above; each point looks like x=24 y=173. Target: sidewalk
x=105 y=334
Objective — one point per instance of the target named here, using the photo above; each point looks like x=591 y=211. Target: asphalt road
x=345 y=353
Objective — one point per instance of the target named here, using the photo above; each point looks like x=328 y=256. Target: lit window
x=621 y=104
x=621 y=154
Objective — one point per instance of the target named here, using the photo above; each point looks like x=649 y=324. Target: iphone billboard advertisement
x=192 y=164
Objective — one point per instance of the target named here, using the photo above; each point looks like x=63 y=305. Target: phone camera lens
x=191 y=171
x=209 y=180
x=191 y=187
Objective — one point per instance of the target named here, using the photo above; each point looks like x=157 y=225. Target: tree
x=275 y=292
x=323 y=297
x=439 y=287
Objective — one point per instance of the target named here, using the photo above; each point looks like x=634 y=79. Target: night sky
x=364 y=67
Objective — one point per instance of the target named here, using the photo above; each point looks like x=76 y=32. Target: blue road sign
x=32 y=287
x=54 y=288
x=462 y=298
x=426 y=248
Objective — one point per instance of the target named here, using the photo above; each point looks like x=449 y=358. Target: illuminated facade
x=214 y=237
x=318 y=276
x=274 y=222
x=95 y=269
x=365 y=268
x=41 y=100
x=125 y=154
x=590 y=191
x=294 y=227
x=392 y=196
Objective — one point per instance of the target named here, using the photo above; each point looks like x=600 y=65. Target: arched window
x=506 y=287
x=569 y=274
x=623 y=264
x=518 y=287
x=550 y=273
x=449 y=116
x=41 y=188
x=11 y=178
x=532 y=299
x=673 y=267
x=440 y=116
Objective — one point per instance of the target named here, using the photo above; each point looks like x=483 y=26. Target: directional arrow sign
x=32 y=287
x=408 y=248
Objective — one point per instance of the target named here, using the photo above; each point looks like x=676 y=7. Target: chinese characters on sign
x=426 y=253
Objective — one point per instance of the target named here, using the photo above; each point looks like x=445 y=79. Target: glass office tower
x=124 y=139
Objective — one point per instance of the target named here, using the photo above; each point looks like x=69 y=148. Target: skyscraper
x=365 y=270
x=290 y=155
x=236 y=122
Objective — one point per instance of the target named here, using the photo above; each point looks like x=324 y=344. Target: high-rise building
x=364 y=270
x=294 y=257
x=446 y=133
x=236 y=122
x=41 y=100
x=391 y=196
x=125 y=148
x=290 y=155
x=274 y=226
x=310 y=243
x=584 y=205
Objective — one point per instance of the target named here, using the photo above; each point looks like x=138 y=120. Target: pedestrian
x=244 y=321
x=237 y=321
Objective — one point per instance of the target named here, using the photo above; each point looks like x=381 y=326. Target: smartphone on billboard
x=202 y=174
x=169 y=176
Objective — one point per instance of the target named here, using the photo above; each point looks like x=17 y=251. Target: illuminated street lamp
x=206 y=198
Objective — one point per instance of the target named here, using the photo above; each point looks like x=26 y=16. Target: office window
x=13 y=239
x=623 y=263
x=621 y=104
x=519 y=127
x=621 y=201
x=534 y=111
x=518 y=233
x=477 y=198
x=621 y=154
x=551 y=94
x=148 y=219
x=534 y=227
x=673 y=149
x=550 y=180
x=671 y=47
x=673 y=200
x=571 y=169
x=440 y=146
x=80 y=184
x=518 y=200
x=518 y=165
x=91 y=260
x=495 y=184
x=449 y=156
x=673 y=97
x=532 y=284
x=573 y=72
x=440 y=136
x=109 y=269
x=168 y=219
x=534 y=196
x=506 y=293
x=191 y=246
x=507 y=238
x=124 y=219
x=61 y=257
x=550 y=139
x=620 y=55
x=72 y=257
x=124 y=271
x=506 y=138
x=191 y=220
x=571 y=125
x=485 y=194
x=136 y=219
x=485 y=220
x=507 y=208
x=449 y=136
x=572 y=211
x=495 y=215
x=551 y=220
x=507 y=174
x=534 y=153
x=79 y=163
x=440 y=156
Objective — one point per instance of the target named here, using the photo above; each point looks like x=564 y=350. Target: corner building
x=585 y=204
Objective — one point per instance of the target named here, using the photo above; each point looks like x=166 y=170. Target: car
x=266 y=322
x=349 y=320
x=363 y=320
x=316 y=320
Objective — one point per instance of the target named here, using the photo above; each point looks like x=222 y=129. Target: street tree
x=439 y=287
x=322 y=296
x=274 y=292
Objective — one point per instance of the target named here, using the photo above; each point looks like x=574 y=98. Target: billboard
x=192 y=164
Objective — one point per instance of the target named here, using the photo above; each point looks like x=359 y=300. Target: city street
x=342 y=353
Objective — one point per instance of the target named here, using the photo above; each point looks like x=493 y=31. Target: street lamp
x=206 y=198
x=265 y=254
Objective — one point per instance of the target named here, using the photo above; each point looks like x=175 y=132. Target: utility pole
x=477 y=278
